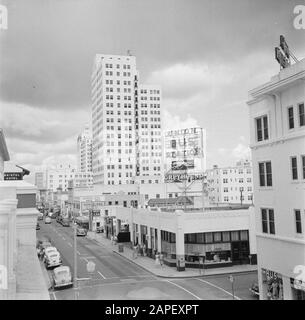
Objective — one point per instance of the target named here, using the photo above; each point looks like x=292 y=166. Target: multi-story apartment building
x=117 y=122
x=84 y=150
x=277 y=124
x=59 y=176
x=232 y=185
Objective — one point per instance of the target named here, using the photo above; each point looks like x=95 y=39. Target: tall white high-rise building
x=126 y=121
x=277 y=124
x=84 y=150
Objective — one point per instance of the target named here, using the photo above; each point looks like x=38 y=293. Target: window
x=265 y=174
x=217 y=236
x=226 y=236
x=209 y=237
x=303 y=165
x=294 y=168
x=234 y=235
x=301 y=114
x=290 y=118
x=268 y=225
x=262 y=128
x=298 y=221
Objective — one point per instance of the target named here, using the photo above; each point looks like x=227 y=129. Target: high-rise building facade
x=120 y=129
x=277 y=124
x=84 y=150
x=149 y=134
x=231 y=185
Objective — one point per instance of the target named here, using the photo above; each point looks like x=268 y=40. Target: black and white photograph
x=152 y=151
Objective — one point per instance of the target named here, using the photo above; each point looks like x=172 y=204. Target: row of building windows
x=268 y=221
x=262 y=127
x=144 y=91
x=216 y=237
x=110 y=65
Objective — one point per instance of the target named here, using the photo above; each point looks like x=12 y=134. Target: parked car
x=47 y=220
x=37 y=226
x=46 y=251
x=41 y=246
x=99 y=229
x=254 y=289
x=61 y=277
x=52 y=259
x=65 y=222
x=81 y=231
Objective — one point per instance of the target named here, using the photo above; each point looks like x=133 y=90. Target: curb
x=177 y=277
x=187 y=276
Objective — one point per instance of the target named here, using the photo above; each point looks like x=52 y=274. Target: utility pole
x=75 y=284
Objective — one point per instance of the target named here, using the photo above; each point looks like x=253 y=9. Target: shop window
x=234 y=235
x=226 y=236
x=244 y=235
x=200 y=237
x=209 y=237
x=217 y=236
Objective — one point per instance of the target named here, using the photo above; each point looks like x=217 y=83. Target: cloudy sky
x=205 y=54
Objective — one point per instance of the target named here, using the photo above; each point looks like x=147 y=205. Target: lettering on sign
x=299 y=20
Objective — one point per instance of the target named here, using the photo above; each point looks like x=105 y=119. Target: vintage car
x=41 y=246
x=254 y=289
x=52 y=259
x=81 y=231
x=48 y=250
x=48 y=220
x=61 y=277
x=65 y=222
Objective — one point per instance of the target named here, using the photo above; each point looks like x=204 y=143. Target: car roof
x=51 y=248
x=53 y=253
x=61 y=268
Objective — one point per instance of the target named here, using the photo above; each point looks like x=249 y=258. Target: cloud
x=241 y=152
x=174 y=122
x=21 y=121
x=183 y=80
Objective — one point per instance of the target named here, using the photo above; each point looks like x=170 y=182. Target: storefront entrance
x=240 y=252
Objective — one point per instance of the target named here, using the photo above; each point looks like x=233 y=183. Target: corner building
x=277 y=124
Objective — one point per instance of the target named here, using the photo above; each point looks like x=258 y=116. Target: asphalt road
x=116 y=278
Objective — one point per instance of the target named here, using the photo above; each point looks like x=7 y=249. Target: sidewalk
x=165 y=271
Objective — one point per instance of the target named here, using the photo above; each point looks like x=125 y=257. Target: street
x=117 y=278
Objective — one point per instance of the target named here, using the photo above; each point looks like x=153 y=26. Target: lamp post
x=232 y=282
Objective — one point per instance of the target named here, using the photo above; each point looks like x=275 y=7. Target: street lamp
x=231 y=278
